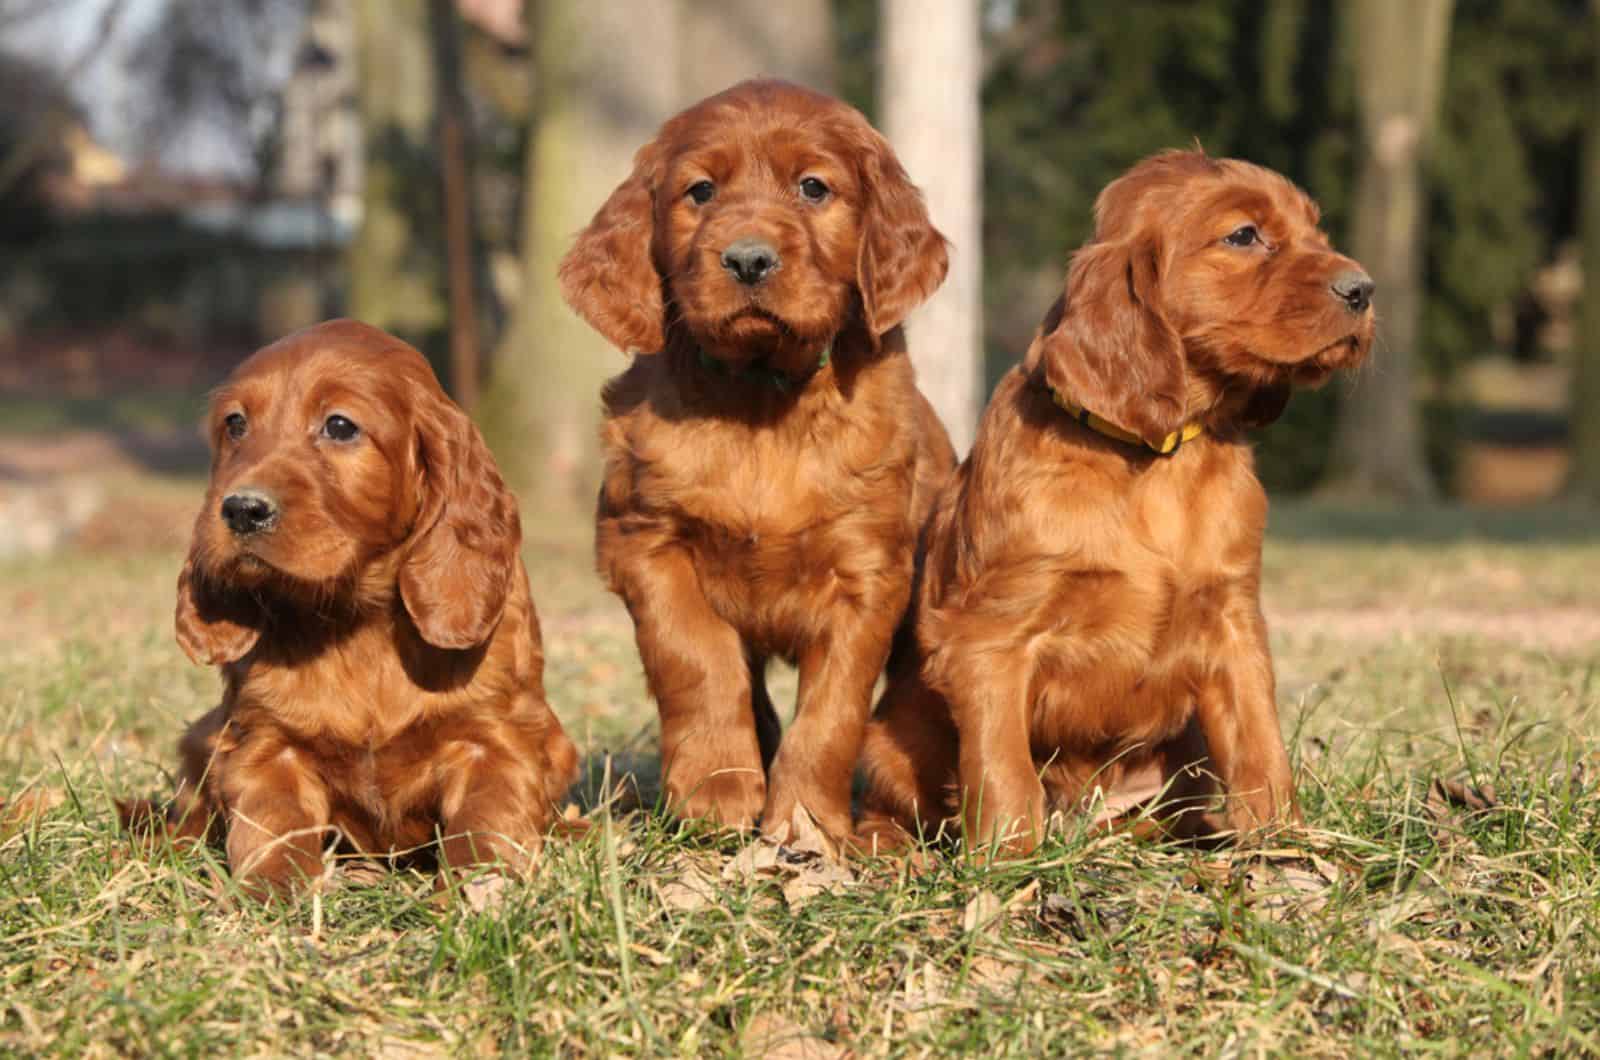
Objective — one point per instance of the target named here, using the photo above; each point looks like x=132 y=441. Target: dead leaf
x=927 y=990
x=810 y=868
x=981 y=911
x=1459 y=795
x=807 y=837
x=1285 y=890
x=987 y=974
x=1088 y=913
x=392 y=1048
x=480 y=894
x=1449 y=803
x=1059 y=911
x=1413 y=905
x=21 y=810
x=650 y=954
x=690 y=890
x=365 y=872
x=572 y=824
x=758 y=858
x=772 y=1037
x=817 y=876
x=1203 y=875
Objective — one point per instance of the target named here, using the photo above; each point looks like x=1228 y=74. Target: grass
x=1456 y=917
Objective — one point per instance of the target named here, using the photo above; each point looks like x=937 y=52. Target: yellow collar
x=1167 y=445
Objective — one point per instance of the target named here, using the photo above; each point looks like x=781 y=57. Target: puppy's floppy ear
x=1107 y=345
x=463 y=553
x=214 y=626
x=903 y=258
x=608 y=276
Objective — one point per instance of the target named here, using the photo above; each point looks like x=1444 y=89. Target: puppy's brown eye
x=702 y=192
x=235 y=425
x=1243 y=236
x=339 y=429
x=813 y=190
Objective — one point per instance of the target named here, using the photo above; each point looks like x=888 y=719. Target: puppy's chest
x=753 y=491
x=1167 y=579
x=384 y=796
x=370 y=743
x=1193 y=566
x=356 y=701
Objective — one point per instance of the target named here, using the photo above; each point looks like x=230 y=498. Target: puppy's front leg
x=1238 y=714
x=817 y=757
x=695 y=665
x=491 y=810
x=1000 y=786
x=278 y=817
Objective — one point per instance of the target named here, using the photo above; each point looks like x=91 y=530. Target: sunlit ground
x=1411 y=648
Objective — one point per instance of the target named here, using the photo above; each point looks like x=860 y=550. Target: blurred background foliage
x=1072 y=92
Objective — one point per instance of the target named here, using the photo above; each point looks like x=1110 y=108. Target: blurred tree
x=209 y=77
x=1075 y=91
x=928 y=99
x=497 y=69
x=722 y=42
x=394 y=264
x=1399 y=71
x=605 y=78
x=33 y=97
x=1585 y=414
x=452 y=140
x=1509 y=124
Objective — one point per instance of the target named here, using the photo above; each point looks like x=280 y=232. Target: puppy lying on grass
x=356 y=574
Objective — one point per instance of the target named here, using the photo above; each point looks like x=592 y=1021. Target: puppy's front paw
x=728 y=798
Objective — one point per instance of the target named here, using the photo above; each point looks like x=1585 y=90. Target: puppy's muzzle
x=249 y=511
x=751 y=260
x=1354 y=288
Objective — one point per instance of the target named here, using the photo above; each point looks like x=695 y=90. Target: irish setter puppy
x=356 y=574
x=1088 y=611
x=768 y=455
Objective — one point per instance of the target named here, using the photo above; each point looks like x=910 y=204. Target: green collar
x=777 y=380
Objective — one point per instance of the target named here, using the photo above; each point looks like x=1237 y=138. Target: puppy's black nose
x=1354 y=289
x=249 y=511
x=750 y=260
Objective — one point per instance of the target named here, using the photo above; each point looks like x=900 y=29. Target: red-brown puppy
x=768 y=455
x=356 y=573
x=1088 y=613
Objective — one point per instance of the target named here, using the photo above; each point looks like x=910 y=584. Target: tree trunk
x=456 y=192
x=1400 y=64
x=723 y=42
x=1585 y=413
x=929 y=104
x=395 y=280
x=606 y=79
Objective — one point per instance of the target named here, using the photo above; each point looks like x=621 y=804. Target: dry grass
x=1455 y=917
